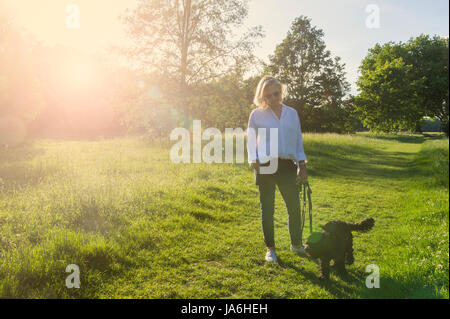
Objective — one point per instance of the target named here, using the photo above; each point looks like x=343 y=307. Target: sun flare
x=78 y=74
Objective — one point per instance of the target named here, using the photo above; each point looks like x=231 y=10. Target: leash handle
x=310 y=209
x=306 y=189
x=302 y=211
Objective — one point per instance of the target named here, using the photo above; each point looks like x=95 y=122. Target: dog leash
x=306 y=192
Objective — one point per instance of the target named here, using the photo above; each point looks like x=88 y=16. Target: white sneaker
x=300 y=251
x=271 y=256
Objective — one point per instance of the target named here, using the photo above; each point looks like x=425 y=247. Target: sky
x=346 y=33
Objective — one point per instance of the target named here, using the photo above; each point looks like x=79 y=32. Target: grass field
x=139 y=226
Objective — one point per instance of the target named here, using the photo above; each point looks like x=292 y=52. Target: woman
x=291 y=170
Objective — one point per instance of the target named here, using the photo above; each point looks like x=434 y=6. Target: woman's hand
x=302 y=176
x=256 y=166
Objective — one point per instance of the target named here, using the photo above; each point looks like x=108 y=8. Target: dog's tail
x=363 y=226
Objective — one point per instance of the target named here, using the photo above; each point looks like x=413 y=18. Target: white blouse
x=290 y=140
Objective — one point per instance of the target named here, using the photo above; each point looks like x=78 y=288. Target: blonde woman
x=291 y=170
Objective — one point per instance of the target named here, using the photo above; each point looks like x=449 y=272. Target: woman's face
x=272 y=96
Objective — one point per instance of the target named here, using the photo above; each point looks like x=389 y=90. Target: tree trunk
x=184 y=54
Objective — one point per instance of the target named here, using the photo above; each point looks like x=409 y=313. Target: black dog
x=335 y=242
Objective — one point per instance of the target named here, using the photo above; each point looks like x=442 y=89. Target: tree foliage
x=140 y=105
x=189 y=41
x=400 y=83
x=225 y=102
x=316 y=81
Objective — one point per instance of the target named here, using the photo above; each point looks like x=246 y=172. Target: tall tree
x=429 y=58
x=316 y=82
x=400 y=83
x=387 y=101
x=190 y=41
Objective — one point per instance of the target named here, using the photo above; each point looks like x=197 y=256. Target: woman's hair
x=267 y=81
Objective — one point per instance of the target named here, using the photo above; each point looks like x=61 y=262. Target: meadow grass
x=140 y=226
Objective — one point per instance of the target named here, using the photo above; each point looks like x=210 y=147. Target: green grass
x=139 y=226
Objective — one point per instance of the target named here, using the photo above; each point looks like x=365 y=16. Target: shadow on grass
x=416 y=138
x=399 y=289
x=23 y=152
x=353 y=285
x=24 y=175
x=356 y=162
x=346 y=287
x=14 y=169
x=410 y=139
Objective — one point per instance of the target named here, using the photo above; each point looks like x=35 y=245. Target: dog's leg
x=324 y=268
x=349 y=258
x=340 y=266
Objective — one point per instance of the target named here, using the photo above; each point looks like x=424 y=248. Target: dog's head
x=316 y=245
